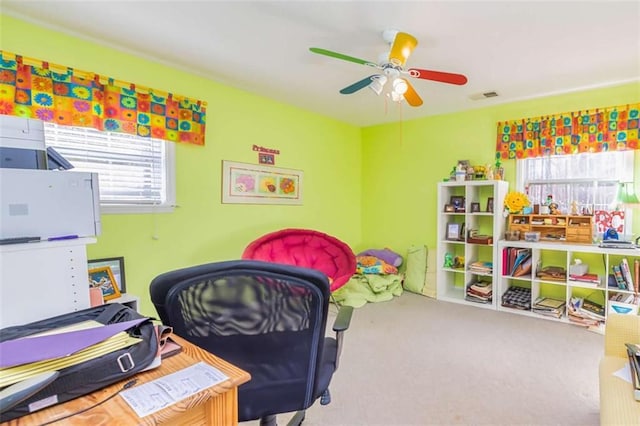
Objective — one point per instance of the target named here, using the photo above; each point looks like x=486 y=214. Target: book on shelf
x=622 y=297
x=593 y=307
x=524 y=267
x=481 y=287
x=578 y=316
x=626 y=273
x=585 y=278
x=549 y=303
x=512 y=257
x=617 y=273
x=552 y=273
x=549 y=307
x=481 y=267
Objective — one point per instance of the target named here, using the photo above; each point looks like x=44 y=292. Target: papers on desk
x=167 y=390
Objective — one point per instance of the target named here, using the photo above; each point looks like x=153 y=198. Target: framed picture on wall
x=117 y=269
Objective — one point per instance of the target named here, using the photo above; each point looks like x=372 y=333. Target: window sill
x=139 y=209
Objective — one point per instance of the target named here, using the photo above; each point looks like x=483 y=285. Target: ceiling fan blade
x=411 y=96
x=357 y=85
x=340 y=56
x=402 y=47
x=443 y=77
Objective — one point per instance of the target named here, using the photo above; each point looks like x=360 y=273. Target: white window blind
x=134 y=172
x=590 y=179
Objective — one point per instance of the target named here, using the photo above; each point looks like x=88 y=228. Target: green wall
x=371 y=187
x=202 y=229
x=403 y=162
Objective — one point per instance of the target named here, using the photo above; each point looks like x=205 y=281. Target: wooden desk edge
x=117 y=411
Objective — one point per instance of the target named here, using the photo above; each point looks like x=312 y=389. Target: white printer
x=34 y=201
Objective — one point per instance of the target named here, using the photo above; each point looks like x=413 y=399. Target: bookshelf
x=464 y=207
x=548 y=255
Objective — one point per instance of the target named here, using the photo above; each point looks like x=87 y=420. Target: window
x=136 y=174
x=590 y=180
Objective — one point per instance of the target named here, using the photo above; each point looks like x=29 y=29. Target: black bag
x=94 y=374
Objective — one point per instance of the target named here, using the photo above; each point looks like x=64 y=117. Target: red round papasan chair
x=306 y=248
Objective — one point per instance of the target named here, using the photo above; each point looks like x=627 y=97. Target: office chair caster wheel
x=325 y=398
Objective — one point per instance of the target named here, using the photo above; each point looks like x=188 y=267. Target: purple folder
x=33 y=349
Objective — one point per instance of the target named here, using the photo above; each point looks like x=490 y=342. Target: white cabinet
x=600 y=261
x=454 y=244
x=42 y=279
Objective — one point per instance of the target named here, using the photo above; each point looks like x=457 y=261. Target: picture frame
x=464 y=164
x=475 y=207
x=448 y=208
x=117 y=269
x=244 y=183
x=103 y=278
x=458 y=203
x=453 y=231
x=490 y=205
x=265 y=158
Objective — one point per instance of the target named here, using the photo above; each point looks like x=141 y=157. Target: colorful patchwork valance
x=36 y=89
x=607 y=129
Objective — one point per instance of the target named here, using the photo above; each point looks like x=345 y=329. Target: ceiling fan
x=391 y=66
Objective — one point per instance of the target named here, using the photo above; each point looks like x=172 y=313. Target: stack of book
x=549 y=307
x=481 y=267
x=517 y=298
x=552 y=273
x=585 y=312
x=479 y=292
x=586 y=279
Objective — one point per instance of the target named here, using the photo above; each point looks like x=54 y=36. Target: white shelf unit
x=452 y=283
x=600 y=261
x=39 y=280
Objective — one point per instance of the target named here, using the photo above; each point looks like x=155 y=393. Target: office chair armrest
x=340 y=325
x=343 y=319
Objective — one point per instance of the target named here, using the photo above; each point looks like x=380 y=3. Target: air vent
x=484 y=95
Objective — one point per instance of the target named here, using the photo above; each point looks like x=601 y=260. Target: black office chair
x=266 y=318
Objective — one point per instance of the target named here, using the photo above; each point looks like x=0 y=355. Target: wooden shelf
x=565 y=228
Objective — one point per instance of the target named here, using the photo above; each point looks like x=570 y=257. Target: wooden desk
x=217 y=405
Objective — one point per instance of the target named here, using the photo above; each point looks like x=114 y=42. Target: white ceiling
x=520 y=49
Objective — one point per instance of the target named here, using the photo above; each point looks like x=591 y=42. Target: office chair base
x=325 y=398
x=296 y=420
x=269 y=420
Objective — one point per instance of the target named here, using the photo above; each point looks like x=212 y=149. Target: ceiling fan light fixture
x=400 y=86
x=395 y=96
x=377 y=83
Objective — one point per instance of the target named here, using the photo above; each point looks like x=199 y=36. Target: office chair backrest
x=268 y=319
